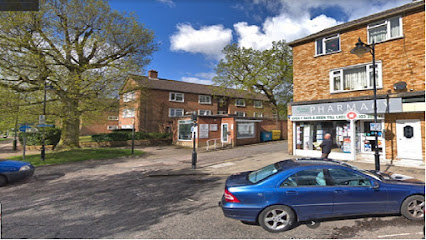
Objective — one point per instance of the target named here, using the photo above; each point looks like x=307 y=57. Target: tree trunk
x=70 y=127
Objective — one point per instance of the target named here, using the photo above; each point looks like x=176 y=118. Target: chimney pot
x=152 y=74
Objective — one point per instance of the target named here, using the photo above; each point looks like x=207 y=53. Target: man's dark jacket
x=326 y=145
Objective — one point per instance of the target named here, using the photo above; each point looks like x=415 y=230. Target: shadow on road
x=99 y=208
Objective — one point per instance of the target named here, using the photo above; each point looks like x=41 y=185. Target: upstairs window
x=240 y=114
x=204 y=99
x=239 y=102
x=222 y=112
x=176 y=112
x=384 y=30
x=128 y=113
x=129 y=96
x=176 y=97
x=112 y=118
x=204 y=112
x=327 y=45
x=257 y=115
x=258 y=104
x=359 y=77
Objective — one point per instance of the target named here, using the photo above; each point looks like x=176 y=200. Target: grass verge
x=86 y=139
x=76 y=155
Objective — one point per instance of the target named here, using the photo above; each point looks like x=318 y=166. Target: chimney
x=152 y=74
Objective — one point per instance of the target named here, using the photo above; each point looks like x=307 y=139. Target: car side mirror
x=375 y=185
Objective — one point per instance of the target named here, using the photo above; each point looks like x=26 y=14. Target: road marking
x=399 y=234
x=222 y=165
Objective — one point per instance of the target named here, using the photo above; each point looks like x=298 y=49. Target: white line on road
x=399 y=234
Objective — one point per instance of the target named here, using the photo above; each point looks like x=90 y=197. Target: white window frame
x=368 y=66
x=200 y=97
x=244 y=114
x=240 y=105
x=112 y=127
x=203 y=112
x=222 y=112
x=323 y=42
x=259 y=115
x=173 y=96
x=178 y=131
x=128 y=112
x=252 y=124
x=129 y=96
x=258 y=101
x=388 y=29
x=112 y=118
x=128 y=126
x=174 y=110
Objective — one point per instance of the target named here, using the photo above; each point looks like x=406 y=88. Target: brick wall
x=98 y=124
x=271 y=124
x=402 y=59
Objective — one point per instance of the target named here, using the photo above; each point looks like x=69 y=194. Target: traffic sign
x=376 y=127
x=351 y=115
x=42 y=119
x=24 y=128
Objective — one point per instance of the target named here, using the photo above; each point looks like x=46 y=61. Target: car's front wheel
x=413 y=207
x=277 y=218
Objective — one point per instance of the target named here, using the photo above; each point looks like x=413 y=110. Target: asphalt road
x=117 y=199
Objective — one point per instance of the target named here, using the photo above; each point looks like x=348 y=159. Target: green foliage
x=76 y=155
x=52 y=137
x=83 y=48
x=269 y=71
x=124 y=136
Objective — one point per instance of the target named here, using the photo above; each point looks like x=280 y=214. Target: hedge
x=52 y=137
x=124 y=136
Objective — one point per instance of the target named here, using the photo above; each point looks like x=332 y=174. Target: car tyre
x=413 y=207
x=277 y=218
x=3 y=180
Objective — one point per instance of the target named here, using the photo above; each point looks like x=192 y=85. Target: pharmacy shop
x=351 y=125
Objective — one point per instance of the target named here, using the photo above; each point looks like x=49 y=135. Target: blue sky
x=192 y=33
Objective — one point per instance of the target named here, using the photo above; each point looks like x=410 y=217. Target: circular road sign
x=351 y=115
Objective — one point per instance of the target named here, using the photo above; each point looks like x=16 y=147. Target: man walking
x=326 y=146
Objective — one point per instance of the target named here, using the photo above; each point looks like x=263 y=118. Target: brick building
x=330 y=82
x=154 y=103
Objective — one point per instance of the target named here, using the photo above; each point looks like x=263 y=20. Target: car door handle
x=291 y=193
x=339 y=191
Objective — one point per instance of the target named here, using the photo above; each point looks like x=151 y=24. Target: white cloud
x=169 y=3
x=197 y=80
x=208 y=40
x=294 y=20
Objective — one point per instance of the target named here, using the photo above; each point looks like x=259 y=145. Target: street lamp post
x=43 y=143
x=359 y=50
x=194 y=152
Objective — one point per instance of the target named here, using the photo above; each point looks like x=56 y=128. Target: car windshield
x=259 y=175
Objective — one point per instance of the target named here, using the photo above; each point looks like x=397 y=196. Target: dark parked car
x=12 y=171
x=281 y=194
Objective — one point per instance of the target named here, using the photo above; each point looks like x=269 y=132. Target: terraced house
x=333 y=89
x=154 y=103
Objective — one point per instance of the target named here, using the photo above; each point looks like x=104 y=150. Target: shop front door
x=409 y=139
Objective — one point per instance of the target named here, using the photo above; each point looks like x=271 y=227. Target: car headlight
x=25 y=168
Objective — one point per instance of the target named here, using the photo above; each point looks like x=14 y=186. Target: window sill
x=205 y=103
x=176 y=101
x=325 y=54
x=356 y=90
x=239 y=106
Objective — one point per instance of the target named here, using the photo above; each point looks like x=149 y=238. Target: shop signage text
x=391 y=105
x=332 y=117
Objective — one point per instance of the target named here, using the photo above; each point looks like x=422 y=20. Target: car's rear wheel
x=3 y=180
x=413 y=207
x=276 y=218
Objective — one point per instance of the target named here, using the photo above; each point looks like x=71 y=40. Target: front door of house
x=409 y=139
x=224 y=132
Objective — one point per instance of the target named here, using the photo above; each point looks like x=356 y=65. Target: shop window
x=245 y=130
x=327 y=45
x=384 y=30
x=184 y=130
x=353 y=78
x=408 y=131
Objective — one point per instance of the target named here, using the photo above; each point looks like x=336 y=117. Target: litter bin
x=265 y=136
x=276 y=134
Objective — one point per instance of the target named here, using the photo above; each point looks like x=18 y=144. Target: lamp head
x=360 y=48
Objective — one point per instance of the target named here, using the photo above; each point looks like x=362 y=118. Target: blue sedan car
x=12 y=171
x=279 y=195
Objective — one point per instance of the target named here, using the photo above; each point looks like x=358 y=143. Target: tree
x=80 y=47
x=269 y=72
